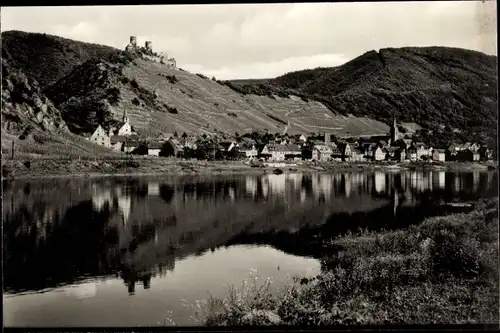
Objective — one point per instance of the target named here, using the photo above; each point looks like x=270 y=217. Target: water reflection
x=60 y=232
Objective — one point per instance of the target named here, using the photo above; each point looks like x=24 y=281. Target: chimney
x=327 y=138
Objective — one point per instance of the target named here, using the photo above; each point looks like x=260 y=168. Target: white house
x=322 y=153
x=439 y=155
x=154 y=148
x=379 y=154
x=250 y=151
x=100 y=137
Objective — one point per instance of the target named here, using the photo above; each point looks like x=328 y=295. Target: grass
x=442 y=271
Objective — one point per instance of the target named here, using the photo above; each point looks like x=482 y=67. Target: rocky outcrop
x=24 y=105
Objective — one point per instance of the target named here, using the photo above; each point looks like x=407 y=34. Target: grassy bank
x=443 y=271
x=119 y=164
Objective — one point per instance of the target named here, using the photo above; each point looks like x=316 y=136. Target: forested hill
x=451 y=92
x=47 y=58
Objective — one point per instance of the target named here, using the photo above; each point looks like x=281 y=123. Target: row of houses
x=286 y=147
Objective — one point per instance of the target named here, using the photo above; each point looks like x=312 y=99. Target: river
x=130 y=251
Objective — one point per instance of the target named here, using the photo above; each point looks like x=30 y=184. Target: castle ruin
x=146 y=52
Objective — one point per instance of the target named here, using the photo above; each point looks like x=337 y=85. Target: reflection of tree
x=131 y=278
x=85 y=241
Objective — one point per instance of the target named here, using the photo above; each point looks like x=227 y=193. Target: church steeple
x=394 y=131
x=125 y=116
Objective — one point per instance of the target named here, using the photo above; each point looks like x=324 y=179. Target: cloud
x=265 y=38
x=269 y=69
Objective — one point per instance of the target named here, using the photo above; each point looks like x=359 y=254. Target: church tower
x=394 y=132
x=125 y=117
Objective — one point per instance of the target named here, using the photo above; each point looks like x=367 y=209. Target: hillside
x=160 y=99
x=47 y=58
x=92 y=84
x=450 y=91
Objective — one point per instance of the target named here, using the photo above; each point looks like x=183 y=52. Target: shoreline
x=382 y=277
x=53 y=168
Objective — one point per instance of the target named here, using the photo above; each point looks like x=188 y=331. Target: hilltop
x=449 y=91
x=92 y=84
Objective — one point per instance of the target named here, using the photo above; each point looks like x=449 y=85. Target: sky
x=243 y=41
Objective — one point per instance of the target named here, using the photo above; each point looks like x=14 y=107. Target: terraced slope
x=450 y=91
x=158 y=102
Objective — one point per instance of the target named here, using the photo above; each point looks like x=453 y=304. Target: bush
x=134 y=83
x=136 y=101
x=202 y=76
x=453 y=255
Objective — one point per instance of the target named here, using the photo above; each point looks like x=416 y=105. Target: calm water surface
x=126 y=251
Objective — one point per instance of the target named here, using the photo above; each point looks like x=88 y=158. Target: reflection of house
x=277 y=183
x=100 y=198
x=125 y=206
x=153 y=188
x=251 y=185
x=379 y=182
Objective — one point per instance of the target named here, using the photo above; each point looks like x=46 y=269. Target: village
x=320 y=147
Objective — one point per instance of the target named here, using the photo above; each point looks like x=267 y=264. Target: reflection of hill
x=139 y=227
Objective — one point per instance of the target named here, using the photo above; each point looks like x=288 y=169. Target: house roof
x=246 y=147
x=439 y=150
x=155 y=145
x=390 y=150
x=420 y=145
x=358 y=150
x=132 y=143
x=118 y=138
x=324 y=149
x=294 y=148
x=336 y=151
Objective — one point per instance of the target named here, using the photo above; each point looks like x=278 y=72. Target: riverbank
x=145 y=165
x=443 y=271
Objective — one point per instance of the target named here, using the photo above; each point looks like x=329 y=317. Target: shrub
x=453 y=255
x=172 y=79
x=136 y=101
x=124 y=80
x=134 y=83
x=202 y=76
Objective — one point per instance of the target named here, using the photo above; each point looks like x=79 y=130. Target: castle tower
x=133 y=41
x=394 y=131
x=149 y=47
x=328 y=138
